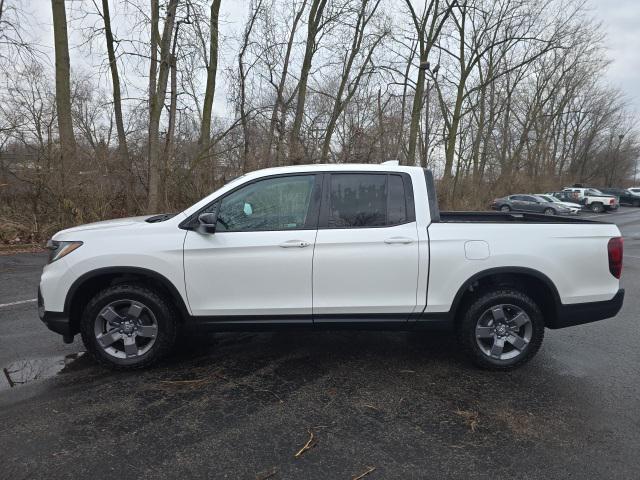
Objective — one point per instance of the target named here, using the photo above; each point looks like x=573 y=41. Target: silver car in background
x=528 y=203
x=574 y=208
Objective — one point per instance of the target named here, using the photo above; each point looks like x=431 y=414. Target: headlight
x=57 y=250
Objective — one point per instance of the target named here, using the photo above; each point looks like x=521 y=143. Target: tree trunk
x=340 y=103
x=427 y=35
x=416 y=112
x=155 y=40
x=279 y=108
x=155 y=111
x=296 y=153
x=169 y=147
x=63 y=87
x=212 y=69
x=247 y=163
x=123 y=150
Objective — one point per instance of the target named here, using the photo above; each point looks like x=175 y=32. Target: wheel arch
x=534 y=283
x=88 y=284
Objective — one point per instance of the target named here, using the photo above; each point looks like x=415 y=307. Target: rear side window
x=366 y=200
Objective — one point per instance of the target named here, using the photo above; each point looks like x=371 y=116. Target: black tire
x=466 y=330
x=636 y=203
x=596 y=207
x=549 y=211
x=164 y=313
x=505 y=208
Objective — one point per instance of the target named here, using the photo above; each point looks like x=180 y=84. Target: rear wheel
x=505 y=208
x=128 y=326
x=502 y=329
x=549 y=211
x=596 y=207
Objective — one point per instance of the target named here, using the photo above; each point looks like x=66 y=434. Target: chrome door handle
x=295 y=244
x=403 y=240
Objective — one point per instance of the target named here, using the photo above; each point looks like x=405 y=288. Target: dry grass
x=471 y=418
x=520 y=423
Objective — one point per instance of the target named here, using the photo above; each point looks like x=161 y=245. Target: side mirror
x=207 y=223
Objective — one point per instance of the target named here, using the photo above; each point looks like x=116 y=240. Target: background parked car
x=624 y=196
x=634 y=190
x=574 y=208
x=566 y=197
x=528 y=203
x=593 y=199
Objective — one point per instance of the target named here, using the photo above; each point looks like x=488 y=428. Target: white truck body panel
x=411 y=268
x=573 y=257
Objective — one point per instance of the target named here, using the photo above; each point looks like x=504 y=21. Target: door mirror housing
x=207 y=223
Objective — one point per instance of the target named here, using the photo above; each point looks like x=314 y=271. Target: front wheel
x=505 y=208
x=549 y=211
x=636 y=203
x=502 y=329
x=128 y=326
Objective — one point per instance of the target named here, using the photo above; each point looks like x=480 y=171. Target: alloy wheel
x=126 y=329
x=503 y=332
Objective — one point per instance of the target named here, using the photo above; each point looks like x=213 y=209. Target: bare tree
x=348 y=86
x=63 y=84
x=314 y=19
x=212 y=69
x=155 y=110
x=427 y=28
x=242 y=80
x=278 y=114
x=123 y=149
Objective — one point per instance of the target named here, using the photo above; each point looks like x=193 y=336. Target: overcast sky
x=620 y=20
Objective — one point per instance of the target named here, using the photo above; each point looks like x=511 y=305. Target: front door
x=365 y=265
x=258 y=263
x=531 y=204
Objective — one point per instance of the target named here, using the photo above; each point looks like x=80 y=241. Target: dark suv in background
x=625 y=197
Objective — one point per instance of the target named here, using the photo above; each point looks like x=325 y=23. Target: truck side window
x=357 y=200
x=366 y=200
x=279 y=203
x=397 y=208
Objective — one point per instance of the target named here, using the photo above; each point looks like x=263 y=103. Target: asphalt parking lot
x=386 y=405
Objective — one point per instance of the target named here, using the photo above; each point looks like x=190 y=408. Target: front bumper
x=55 y=321
x=579 y=313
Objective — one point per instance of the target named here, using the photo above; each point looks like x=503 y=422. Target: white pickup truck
x=593 y=199
x=329 y=246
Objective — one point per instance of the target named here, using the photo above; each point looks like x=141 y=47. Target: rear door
x=365 y=265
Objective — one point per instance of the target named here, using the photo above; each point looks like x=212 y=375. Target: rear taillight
x=612 y=201
x=615 y=248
